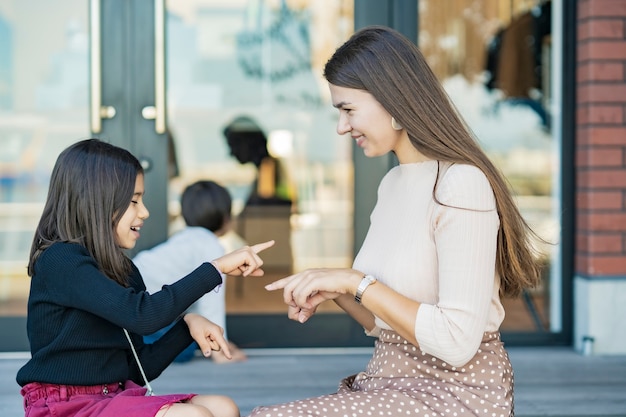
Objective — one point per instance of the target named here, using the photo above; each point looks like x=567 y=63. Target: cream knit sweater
x=442 y=256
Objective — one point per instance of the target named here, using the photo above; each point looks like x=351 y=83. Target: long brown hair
x=91 y=186
x=389 y=66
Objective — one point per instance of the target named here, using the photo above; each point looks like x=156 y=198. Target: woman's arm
x=393 y=308
x=304 y=291
x=359 y=313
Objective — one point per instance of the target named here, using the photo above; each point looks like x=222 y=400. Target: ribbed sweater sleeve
x=465 y=229
x=439 y=253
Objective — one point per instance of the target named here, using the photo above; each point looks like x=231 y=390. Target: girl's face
x=369 y=124
x=127 y=230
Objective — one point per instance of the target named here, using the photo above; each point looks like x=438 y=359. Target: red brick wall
x=601 y=138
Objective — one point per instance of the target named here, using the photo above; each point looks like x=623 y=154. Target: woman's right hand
x=243 y=261
x=306 y=290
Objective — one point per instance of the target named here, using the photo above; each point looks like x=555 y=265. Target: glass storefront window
x=43 y=108
x=255 y=68
x=494 y=58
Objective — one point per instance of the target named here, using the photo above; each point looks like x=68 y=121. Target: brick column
x=600 y=258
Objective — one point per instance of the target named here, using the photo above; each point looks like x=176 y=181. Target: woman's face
x=368 y=123
x=127 y=230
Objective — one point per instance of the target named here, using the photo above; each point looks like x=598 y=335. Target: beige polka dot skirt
x=401 y=380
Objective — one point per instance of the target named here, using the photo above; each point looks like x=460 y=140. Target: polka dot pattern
x=401 y=380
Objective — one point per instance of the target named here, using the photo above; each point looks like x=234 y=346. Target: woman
x=446 y=241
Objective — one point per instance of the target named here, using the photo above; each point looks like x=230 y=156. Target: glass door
x=70 y=70
x=102 y=69
x=249 y=109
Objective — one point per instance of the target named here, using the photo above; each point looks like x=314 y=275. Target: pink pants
x=111 y=400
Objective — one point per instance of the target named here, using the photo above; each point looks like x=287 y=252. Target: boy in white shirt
x=206 y=208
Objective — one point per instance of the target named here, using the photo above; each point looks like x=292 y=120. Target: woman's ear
x=395 y=125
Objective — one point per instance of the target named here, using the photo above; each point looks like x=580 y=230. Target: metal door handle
x=97 y=110
x=149 y=113
x=159 y=67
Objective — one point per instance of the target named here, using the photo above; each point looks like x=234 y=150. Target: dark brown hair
x=206 y=204
x=91 y=186
x=389 y=66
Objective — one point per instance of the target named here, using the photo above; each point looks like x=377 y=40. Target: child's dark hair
x=206 y=204
x=91 y=187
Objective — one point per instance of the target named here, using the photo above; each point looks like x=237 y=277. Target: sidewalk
x=549 y=381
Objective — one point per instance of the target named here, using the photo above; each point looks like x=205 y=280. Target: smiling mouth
x=136 y=229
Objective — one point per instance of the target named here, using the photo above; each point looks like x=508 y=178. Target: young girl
x=88 y=308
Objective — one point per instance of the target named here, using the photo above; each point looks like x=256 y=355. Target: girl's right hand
x=243 y=261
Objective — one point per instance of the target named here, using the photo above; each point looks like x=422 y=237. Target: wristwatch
x=365 y=282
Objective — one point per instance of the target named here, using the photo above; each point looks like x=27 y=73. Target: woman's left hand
x=208 y=335
x=306 y=290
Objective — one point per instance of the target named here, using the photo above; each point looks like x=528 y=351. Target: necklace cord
x=143 y=374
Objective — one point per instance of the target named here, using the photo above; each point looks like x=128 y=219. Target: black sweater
x=76 y=317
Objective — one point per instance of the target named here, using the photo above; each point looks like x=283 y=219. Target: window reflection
x=43 y=108
x=257 y=66
x=494 y=60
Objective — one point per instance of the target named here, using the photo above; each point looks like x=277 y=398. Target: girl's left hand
x=208 y=335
